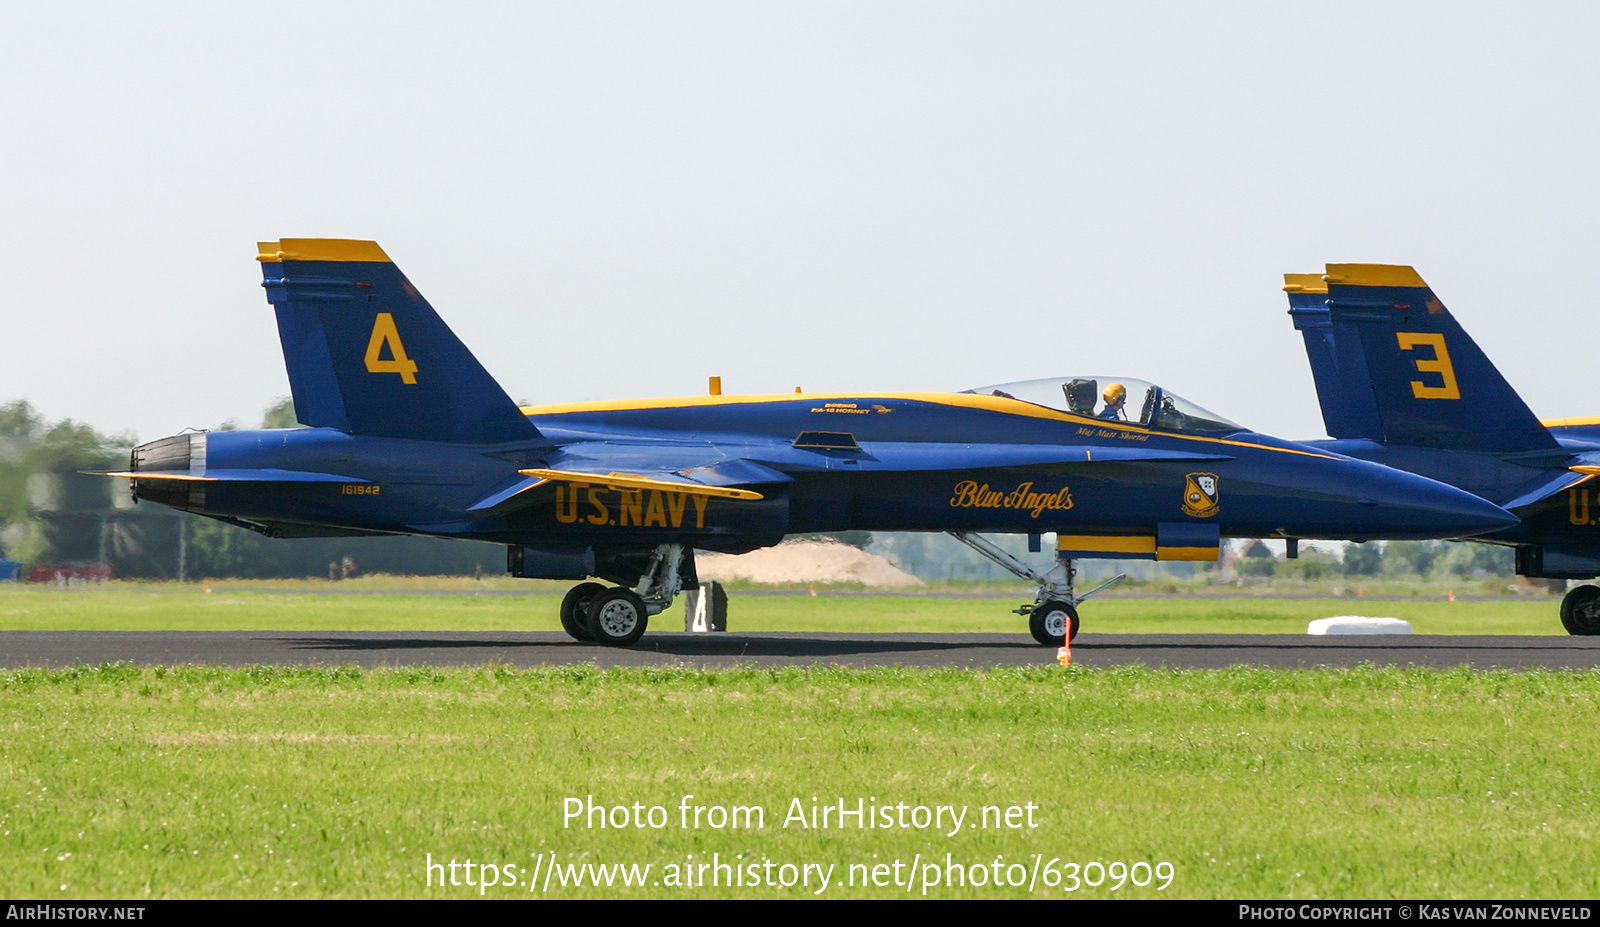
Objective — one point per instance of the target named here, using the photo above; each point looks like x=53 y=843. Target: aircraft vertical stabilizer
x=1338 y=367
x=1431 y=383
x=367 y=355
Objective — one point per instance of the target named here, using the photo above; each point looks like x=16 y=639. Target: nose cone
x=1322 y=495
x=1405 y=506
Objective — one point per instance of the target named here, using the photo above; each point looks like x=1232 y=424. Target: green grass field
x=130 y=783
x=385 y=603
x=122 y=782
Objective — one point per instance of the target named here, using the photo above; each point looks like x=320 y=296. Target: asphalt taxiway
x=445 y=648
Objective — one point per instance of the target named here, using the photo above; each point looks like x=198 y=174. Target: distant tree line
x=1394 y=559
x=933 y=556
x=51 y=515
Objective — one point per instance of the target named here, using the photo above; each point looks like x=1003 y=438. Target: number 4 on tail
x=384 y=332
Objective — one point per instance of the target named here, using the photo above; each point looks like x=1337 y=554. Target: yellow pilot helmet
x=1115 y=393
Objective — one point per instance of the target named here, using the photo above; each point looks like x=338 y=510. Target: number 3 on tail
x=1439 y=364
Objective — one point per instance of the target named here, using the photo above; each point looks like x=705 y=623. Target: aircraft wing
x=628 y=467
x=1545 y=486
x=1580 y=467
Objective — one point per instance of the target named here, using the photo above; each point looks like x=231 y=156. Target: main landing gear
x=1055 y=606
x=616 y=615
x=1580 y=610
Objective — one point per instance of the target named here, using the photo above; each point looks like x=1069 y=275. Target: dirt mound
x=805 y=562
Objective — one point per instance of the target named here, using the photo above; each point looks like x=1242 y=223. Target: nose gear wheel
x=1048 y=623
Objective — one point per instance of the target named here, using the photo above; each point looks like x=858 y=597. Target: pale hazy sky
x=608 y=200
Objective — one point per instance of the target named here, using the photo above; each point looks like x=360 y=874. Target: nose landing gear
x=1048 y=622
x=1055 y=607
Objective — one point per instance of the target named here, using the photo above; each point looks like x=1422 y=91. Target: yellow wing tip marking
x=1373 y=275
x=635 y=481
x=1586 y=469
x=320 y=249
x=1304 y=283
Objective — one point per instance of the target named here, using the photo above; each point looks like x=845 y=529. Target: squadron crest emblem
x=1200 y=495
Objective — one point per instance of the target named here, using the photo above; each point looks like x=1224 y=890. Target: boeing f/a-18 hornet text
x=408 y=434
x=1401 y=383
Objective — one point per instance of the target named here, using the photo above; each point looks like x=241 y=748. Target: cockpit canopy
x=1141 y=402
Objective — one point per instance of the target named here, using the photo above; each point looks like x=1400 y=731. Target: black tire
x=1580 y=611
x=617 y=617
x=1048 y=622
x=575 y=610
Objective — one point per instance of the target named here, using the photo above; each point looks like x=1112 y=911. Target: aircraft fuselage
x=910 y=467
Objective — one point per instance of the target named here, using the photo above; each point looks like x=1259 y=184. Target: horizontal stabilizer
x=504 y=500
x=264 y=475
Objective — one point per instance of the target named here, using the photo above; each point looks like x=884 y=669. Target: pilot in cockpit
x=1116 y=395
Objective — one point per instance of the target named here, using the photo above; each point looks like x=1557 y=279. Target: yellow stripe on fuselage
x=1108 y=544
x=320 y=249
x=1131 y=544
x=998 y=404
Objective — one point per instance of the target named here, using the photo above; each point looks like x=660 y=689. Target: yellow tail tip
x=320 y=249
x=1373 y=275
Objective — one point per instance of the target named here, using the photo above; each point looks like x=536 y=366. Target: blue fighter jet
x=1401 y=383
x=408 y=434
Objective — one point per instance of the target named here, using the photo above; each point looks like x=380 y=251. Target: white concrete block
x=1358 y=624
